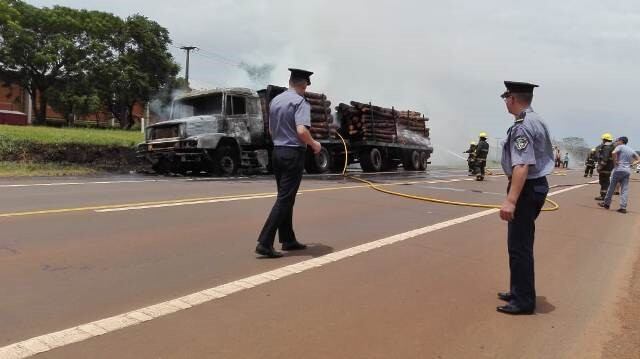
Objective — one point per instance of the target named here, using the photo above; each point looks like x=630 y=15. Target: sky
x=447 y=59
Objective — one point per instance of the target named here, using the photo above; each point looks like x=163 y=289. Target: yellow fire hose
x=554 y=205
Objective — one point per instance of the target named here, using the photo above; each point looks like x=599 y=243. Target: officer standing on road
x=289 y=120
x=590 y=163
x=605 y=164
x=471 y=159
x=482 y=151
x=527 y=158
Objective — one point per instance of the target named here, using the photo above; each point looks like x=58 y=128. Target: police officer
x=482 y=151
x=289 y=122
x=605 y=164
x=527 y=158
x=471 y=158
x=590 y=163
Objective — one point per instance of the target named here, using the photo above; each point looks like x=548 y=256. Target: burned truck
x=221 y=131
x=216 y=131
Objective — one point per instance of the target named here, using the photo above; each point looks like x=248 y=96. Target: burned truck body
x=216 y=131
x=223 y=130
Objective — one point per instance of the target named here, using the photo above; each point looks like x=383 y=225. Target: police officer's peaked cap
x=517 y=87
x=298 y=74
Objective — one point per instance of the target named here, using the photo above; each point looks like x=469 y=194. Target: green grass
x=21 y=169
x=50 y=135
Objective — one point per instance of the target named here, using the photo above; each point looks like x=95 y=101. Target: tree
x=140 y=67
x=577 y=146
x=68 y=58
x=42 y=48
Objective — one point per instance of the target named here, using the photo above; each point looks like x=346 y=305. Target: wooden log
x=380 y=125
x=314 y=95
x=385 y=132
x=315 y=117
x=319 y=102
x=320 y=109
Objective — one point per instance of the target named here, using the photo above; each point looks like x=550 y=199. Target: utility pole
x=188 y=49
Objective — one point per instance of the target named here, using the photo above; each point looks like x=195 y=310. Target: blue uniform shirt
x=286 y=112
x=528 y=143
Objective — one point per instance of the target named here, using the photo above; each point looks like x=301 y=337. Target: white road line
x=76 y=183
x=132 y=208
x=47 y=342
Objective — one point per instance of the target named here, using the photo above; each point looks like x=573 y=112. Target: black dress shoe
x=513 y=309
x=622 y=210
x=293 y=246
x=599 y=198
x=267 y=251
x=507 y=296
x=603 y=205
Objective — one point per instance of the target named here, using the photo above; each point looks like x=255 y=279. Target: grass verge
x=25 y=169
x=58 y=136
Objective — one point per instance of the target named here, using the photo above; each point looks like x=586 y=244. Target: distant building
x=14 y=98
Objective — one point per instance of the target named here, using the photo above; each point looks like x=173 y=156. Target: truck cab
x=216 y=131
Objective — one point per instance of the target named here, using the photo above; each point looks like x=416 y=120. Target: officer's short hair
x=296 y=81
x=525 y=98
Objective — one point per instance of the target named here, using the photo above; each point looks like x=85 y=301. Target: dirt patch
x=626 y=343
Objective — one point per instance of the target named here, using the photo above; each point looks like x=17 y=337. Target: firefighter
x=590 y=163
x=472 y=157
x=482 y=151
x=605 y=164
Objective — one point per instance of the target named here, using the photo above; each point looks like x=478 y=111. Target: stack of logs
x=412 y=122
x=366 y=122
x=322 y=124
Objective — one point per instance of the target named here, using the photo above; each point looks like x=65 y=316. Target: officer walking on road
x=527 y=158
x=471 y=158
x=590 y=163
x=289 y=120
x=605 y=164
x=482 y=151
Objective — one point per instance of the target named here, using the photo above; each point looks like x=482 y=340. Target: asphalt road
x=75 y=251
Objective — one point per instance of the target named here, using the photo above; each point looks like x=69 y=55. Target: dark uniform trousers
x=588 y=171
x=480 y=165
x=521 y=232
x=288 y=166
x=604 y=177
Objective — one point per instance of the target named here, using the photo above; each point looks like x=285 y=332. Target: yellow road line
x=101 y=207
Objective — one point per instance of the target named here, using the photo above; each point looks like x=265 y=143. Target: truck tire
x=337 y=163
x=371 y=160
x=411 y=160
x=162 y=167
x=424 y=158
x=318 y=163
x=225 y=161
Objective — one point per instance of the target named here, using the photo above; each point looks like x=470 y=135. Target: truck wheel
x=413 y=161
x=407 y=164
x=424 y=158
x=337 y=164
x=225 y=161
x=161 y=167
x=371 y=160
x=320 y=163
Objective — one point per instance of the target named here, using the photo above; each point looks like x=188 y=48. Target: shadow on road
x=543 y=306
x=313 y=250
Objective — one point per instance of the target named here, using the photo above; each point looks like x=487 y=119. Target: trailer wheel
x=225 y=161
x=413 y=161
x=318 y=163
x=371 y=160
x=337 y=164
x=424 y=158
